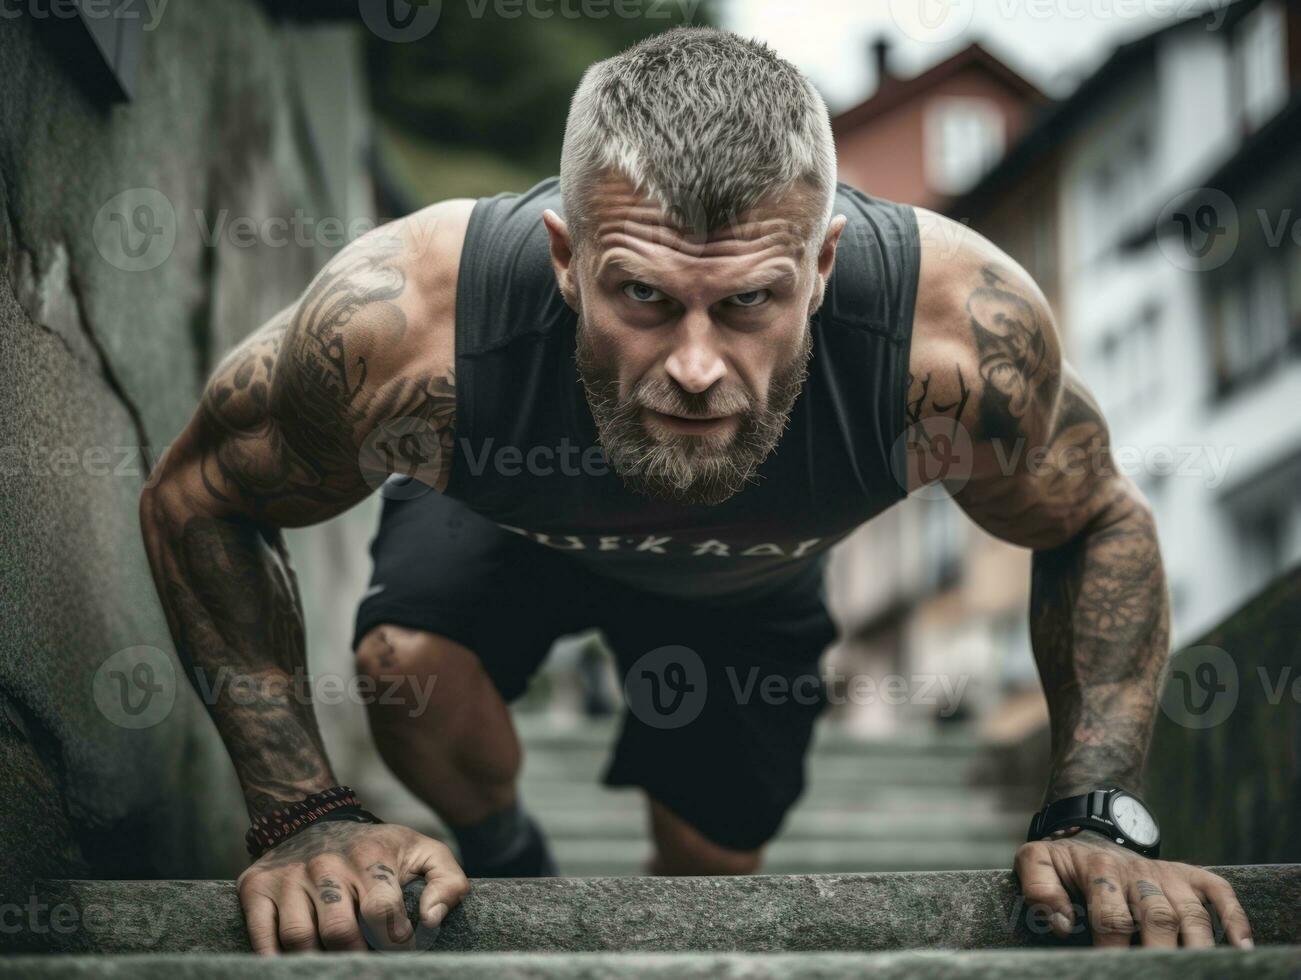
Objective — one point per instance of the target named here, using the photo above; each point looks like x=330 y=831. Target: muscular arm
x=297 y=424
x=1036 y=470
x=1040 y=474
x=278 y=440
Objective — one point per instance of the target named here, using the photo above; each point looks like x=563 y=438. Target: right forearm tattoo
x=277 y=442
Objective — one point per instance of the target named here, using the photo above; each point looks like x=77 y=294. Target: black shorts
x=721 y=696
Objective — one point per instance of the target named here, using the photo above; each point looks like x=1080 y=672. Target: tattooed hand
x=313 y=891
x=1126 y=895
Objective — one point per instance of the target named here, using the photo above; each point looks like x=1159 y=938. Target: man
x=654 y=414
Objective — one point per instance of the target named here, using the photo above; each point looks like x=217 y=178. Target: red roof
x=892 y=92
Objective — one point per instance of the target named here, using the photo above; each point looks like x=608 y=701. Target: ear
x=827 y=258
x=562 y=256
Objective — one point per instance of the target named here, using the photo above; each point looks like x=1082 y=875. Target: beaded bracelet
x=335 y=803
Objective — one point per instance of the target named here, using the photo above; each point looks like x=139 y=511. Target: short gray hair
x=703 y=121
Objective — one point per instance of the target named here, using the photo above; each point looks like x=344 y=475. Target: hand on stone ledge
x=322 y=887
x=1163 y=902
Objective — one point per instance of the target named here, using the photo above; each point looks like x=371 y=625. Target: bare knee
x=422 y=675
x=680 y=849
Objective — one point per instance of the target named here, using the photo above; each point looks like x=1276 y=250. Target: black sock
x=507 y=844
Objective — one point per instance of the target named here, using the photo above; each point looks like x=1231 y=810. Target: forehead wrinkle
x=760 y=273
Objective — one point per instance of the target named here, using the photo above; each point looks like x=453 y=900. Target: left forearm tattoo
x=1098 y=606
x=1099 y=622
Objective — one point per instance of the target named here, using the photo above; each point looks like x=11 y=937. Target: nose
x=694 y=363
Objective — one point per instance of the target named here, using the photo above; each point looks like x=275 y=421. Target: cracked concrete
x=103 y=366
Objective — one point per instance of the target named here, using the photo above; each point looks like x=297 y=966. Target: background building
x=1157 y=207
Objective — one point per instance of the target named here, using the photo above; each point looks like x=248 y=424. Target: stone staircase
x=898 y=804
x=960 y=923
x=856 y=886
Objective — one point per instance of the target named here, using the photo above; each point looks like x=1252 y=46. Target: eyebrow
x=764 y=279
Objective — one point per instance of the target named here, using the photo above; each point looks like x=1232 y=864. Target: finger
x=383 y=910
x=331 y=889
x=260 y=920
x=1043 y=889
x=445 y=882
x=1109 y=915
x=297 y=918
x=1196 y=930
x=1220 y=893
x=1157 y=922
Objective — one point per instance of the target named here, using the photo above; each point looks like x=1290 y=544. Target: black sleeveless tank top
x=526 y=449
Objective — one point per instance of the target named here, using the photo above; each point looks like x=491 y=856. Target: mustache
x=669 y=398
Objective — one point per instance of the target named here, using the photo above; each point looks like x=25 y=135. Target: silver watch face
x=1133 y=820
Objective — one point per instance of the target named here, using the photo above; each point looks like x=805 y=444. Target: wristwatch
x=1112 y=812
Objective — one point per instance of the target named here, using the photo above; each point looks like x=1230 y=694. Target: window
x=1256 y=317
x=1115 y=190
x=1260 y=64
x=1132 y=361
x=964 y=138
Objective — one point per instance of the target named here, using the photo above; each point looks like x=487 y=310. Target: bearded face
x=688 y=468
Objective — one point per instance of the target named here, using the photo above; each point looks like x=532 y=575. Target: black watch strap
x=1067 y=812
x=1087 y=811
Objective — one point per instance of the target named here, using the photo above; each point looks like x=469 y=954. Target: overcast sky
x=1052 y=42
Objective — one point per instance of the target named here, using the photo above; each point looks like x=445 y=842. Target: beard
x=687 y=469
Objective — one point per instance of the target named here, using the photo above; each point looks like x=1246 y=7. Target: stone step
x=1262 y=963
x=763 y=913
x=588 y=763
x=604 y=858
x=623 y=822
x=541 y=734
x=555 y=793
x=810 y=824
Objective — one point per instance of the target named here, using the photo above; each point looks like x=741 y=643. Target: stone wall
x=122 y=278
x=1224 y=774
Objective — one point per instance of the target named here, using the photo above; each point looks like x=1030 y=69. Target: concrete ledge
x=1260 y=964
x=766 y=913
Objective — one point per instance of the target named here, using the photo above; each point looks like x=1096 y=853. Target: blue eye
x=642 y=293
x=756 y=297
